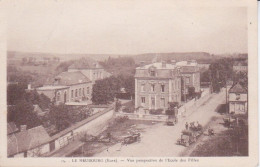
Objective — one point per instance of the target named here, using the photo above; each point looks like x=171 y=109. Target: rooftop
x=54 y=87
x=11 y=128
x=26 y=140
x=237 y=88
x=66 y=79
x=158 y=65
x=187 y=63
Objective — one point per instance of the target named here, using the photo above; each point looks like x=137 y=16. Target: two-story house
x=91 y=69
x=190 y=75
x=156 y=85
x=237 y=99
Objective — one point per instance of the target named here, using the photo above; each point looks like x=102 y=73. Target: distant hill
x=201 y=57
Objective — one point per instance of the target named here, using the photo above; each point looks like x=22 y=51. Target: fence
x=144 y=116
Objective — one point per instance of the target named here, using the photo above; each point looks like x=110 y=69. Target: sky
x=124 y=27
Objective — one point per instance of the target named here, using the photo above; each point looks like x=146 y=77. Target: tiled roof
x=66 y=79
x=237 y=88
x=26 y=140
x=11 y=128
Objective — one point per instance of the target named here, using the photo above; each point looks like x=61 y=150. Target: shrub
x=156 y=112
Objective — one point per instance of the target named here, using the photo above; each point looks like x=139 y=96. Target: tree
x=191 y=92
x=104 y=91
x=59 y=116
x=22 y=114
x=172 y=108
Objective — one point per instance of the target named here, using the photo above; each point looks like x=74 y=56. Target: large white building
x=156 y=85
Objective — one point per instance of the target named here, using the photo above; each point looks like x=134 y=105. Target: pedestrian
x=187 y=126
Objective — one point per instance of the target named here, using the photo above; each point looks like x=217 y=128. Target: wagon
x=187 y=138
x=132 y=138
x=228 y=122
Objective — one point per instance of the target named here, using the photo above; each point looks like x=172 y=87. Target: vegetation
x=221 y=71
x=119 y=66
x=20 y=110
x=104 y=91
x=156 y=112
x=171 y=108
x=22 y=114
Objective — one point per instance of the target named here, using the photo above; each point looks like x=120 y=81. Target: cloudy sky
x=124 y=27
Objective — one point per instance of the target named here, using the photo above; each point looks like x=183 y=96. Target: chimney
x=163 y=64
x=23 y=128
x=29 y=86
x=141 y=63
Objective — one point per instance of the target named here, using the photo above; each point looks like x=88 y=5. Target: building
x=156 y=85
x=190 y=73
x=11 y=128
x=237 y=99
x=91 y=69
x=240 y=66
x=68 y=87
x=28 y=143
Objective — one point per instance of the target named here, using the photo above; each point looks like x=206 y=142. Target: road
x=160 y=140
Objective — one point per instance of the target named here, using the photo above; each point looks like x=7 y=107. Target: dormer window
x=152 y=73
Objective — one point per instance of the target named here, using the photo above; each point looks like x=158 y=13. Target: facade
x=92 y=70
x=240 y=66
x=190 y=73
x=156 y=85
x=237 y=99
x=68 y=87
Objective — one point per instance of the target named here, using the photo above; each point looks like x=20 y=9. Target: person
x=187 y=126
x=196 y=124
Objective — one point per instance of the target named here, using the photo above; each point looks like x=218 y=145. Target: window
x=143 y=87
x=143 y=100
x=163 y=88
x=153 y=73
x=76 y=93
x=162 y=102
x=153 y=101
x=187 y=80
x=79 y=91
x=83 y=92
x=58 y=96
x=72 y=93
x=237 y=96
x=87 y=90
x=152 y=87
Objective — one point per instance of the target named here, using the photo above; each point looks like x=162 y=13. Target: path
x=160 y=140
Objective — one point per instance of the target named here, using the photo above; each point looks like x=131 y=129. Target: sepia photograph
x=117 y=79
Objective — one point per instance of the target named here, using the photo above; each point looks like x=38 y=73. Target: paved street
x=160 y=140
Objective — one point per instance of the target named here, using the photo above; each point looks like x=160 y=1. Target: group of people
x=196 y=124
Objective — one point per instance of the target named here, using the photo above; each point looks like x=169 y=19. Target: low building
x=156 y=85
x=237 y=99
x=68 y=87
x=28 y=143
